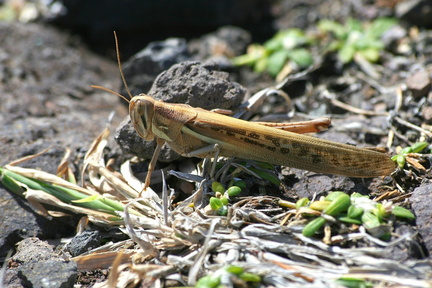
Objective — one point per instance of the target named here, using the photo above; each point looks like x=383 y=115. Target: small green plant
x=234 y=274
x=355 y=37
x=220 y=201
x=401 y=157
x=287 y=47
x=355 y=209
x=14 y=182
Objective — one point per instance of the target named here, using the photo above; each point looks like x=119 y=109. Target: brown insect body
x=186 y=129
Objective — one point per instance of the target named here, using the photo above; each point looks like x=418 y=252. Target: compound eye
x=141 y=113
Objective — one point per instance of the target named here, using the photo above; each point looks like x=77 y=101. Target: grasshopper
x=192 y=131
x=189 y=131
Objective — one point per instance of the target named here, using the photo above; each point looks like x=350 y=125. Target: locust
x=196 y=132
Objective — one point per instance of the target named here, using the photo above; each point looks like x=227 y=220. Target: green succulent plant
x=356 y=37
x=355 y=209
x=287 y=47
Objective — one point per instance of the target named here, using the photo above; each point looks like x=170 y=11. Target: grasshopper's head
x=141 y=110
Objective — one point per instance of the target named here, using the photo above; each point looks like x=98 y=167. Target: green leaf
x=333 y=195
x=406 y=150
x=87 y=199
x=400 y=160
x=224 y=200
x=234 y=191
x=10 y=184
x=208 y=281
x=275 y=43
x=349 y=220
x=249 y=277
x=254 y=53
x=277 y=61
x=236 y=270
x=338 y=205
x=215 y=203
x=346 y=53
x=313 y=226
x=353 y=25
x=370 y=220
x=218 y=187
x=353 y=283
x=331 y=26
x=302 y=57
x=261 y=65
x=380 y=25
x=401 y=212
x=355 y=212
x=371 y=54
x=419 y=146
x=302 y=202
x=266 y=175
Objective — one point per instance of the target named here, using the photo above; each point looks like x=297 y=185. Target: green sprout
x=236 y=274
x=355 y=209
x=400 y=158
x=220 y=201
x=357 y=38
x=285 y=48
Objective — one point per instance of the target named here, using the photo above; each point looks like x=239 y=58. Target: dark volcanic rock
x=37 y=265
x=193 y=83
x=198 y=85
x=422 y=210
x=49 y=274
x=84 y=242
x=141 y=69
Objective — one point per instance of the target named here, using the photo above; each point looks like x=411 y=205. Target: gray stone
x=193 y=83
x=198 y=85
x=84 y=242
x=49 y=274
x=419 y=83
x=141 y=69
x=420 y=203
x=38 y=265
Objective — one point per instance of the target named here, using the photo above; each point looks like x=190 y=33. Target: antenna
x=121 y=74
x=110 y=91
x=120 y=66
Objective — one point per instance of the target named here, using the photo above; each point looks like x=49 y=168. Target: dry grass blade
x=114 y=275
x=356 y=110
x=135 y=183
x=102 y=260
x=145 y=243
x=63 y=170
x=146 y=203
x=95 y=153
x=27 y=158
x=207 y=246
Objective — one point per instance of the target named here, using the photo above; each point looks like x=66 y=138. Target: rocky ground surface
x=46 y=102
